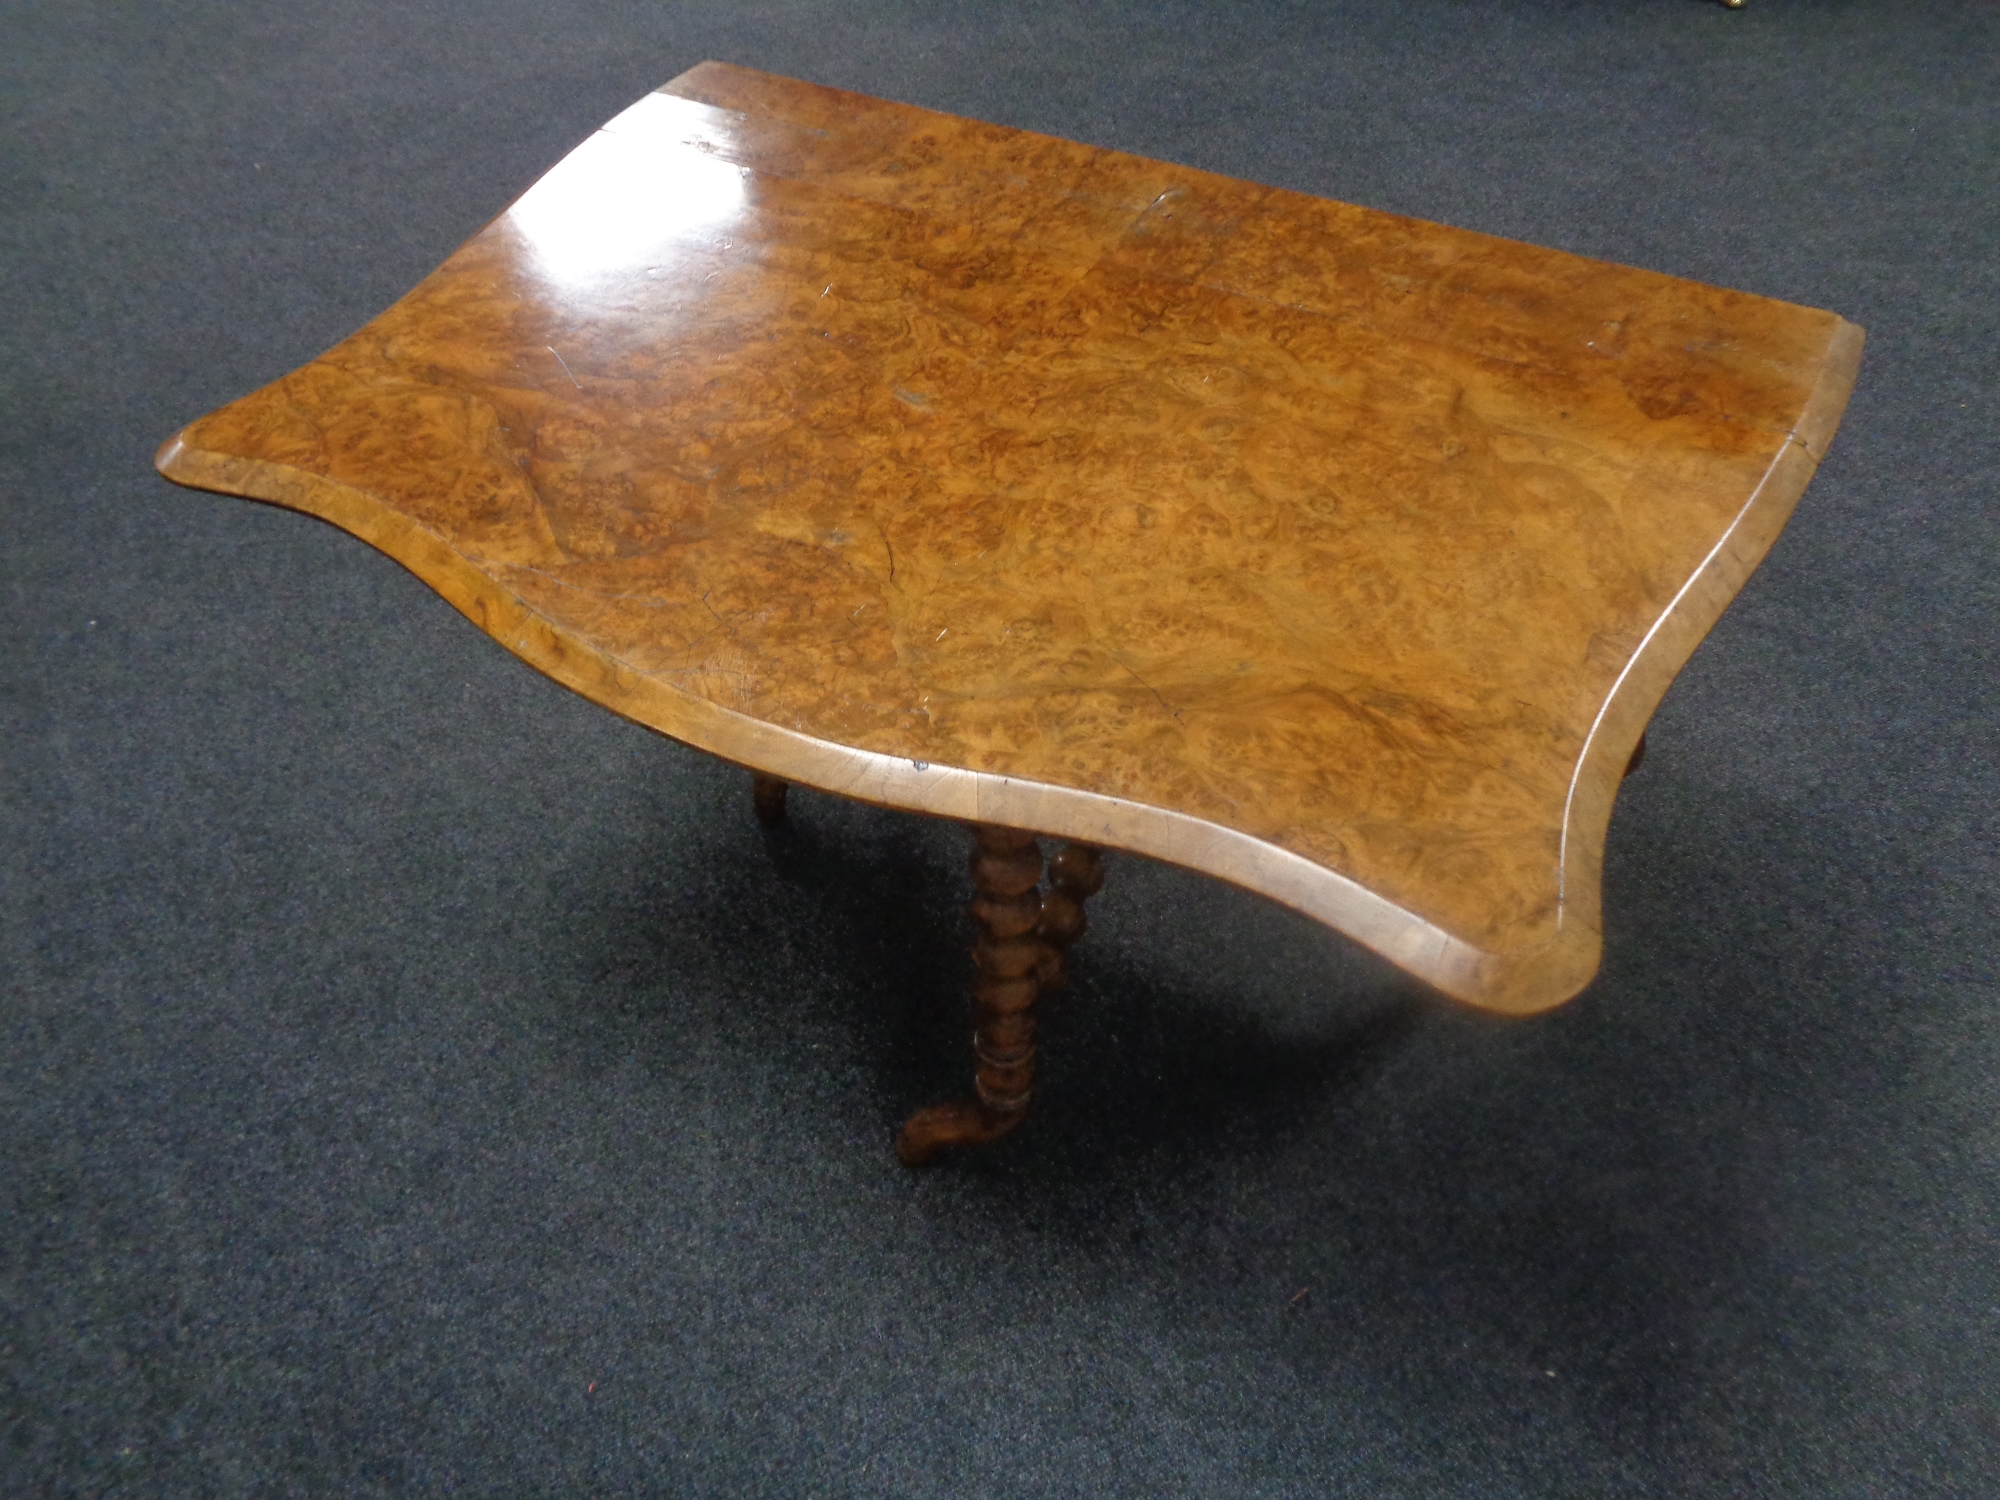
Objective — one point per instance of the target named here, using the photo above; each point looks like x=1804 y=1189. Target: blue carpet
x=416 y=1079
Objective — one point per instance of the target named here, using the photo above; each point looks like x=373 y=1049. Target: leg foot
x=929 y=1133
x=767 y=795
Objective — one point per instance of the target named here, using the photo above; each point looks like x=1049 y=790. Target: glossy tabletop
x=955 y=468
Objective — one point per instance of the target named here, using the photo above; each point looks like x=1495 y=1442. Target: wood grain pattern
x=965 y=470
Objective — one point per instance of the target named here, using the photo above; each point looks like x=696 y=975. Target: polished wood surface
x=1336 y=554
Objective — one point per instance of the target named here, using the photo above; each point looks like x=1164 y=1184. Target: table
x=1063 y=492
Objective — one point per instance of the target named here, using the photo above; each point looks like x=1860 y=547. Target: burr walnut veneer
x=980 y=473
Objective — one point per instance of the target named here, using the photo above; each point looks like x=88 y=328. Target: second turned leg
x=767 y=795
x=1076 y=873
x=1009 y=957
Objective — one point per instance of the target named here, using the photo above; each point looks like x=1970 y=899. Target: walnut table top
x=959 y=469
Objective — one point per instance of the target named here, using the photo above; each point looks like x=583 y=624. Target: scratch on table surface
x=727 y=627
x=565 y=366
x=890 y=546
x=1155 y=692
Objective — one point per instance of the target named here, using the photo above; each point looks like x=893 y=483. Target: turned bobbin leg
x=1076 y=873
x=767 y=795
x=1009 y=957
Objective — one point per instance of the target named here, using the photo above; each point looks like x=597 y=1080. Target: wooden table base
x=1024 y=931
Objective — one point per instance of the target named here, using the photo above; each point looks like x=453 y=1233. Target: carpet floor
x=416 y=1079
